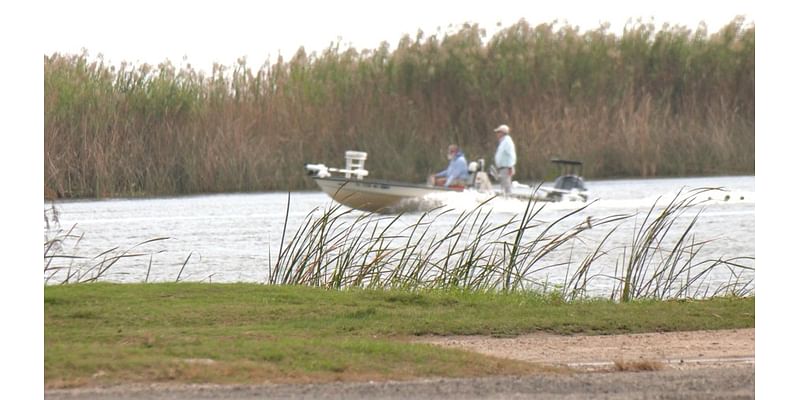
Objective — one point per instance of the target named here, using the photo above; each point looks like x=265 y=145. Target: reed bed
x=668 y=101
x=332 y=250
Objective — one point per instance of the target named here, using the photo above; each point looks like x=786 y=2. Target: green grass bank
x=102 y=333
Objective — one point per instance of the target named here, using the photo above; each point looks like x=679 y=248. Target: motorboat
x=568 y=186
x=349 y=186
x=351 y=189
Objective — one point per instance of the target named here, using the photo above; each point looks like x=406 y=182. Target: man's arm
x=512 y=153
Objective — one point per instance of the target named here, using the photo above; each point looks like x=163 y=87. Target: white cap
x=502 y=128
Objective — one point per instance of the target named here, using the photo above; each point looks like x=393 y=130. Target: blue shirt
x=506 y=155
x=457 y=169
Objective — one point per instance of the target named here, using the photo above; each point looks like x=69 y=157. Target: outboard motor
x=479 y=179
x=476 y=166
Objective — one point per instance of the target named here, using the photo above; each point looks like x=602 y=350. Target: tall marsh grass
x=656 y=267
x=334 y=250
x=573 y=256
x=669 y=101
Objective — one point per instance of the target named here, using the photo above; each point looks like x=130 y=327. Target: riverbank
x=110 y=334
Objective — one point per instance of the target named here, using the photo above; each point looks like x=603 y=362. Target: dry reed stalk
x=647 y=102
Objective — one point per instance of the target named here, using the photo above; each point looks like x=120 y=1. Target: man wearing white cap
x=505 y=158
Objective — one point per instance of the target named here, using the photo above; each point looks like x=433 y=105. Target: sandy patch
x=674 y=349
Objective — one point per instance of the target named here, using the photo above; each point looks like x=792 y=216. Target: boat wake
x=468 y=200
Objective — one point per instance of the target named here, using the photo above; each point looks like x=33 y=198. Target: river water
x=236 y=237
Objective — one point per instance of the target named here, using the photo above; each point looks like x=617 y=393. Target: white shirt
x=506 y=155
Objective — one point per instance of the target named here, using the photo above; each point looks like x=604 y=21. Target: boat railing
x=354 y=166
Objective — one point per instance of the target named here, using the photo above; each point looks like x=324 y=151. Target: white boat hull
x=374 y=196
x=353 y=191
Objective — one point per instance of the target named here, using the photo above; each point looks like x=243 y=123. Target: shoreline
x=723 y=377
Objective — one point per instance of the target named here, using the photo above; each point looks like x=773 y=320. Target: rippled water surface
x=235 y=237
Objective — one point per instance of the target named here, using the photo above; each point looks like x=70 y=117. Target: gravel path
x=715 y=365
x=705 y=383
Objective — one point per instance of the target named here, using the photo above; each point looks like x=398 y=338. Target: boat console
x=569 y=181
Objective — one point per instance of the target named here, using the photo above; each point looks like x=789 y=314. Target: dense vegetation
x=647 y=102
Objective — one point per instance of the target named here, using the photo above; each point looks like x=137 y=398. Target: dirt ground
x=678 y=350
x=691 y=365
